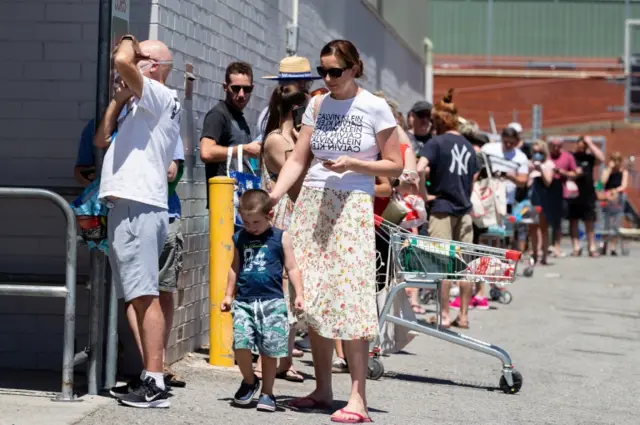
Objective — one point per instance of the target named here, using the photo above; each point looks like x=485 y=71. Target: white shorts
x=136 y=233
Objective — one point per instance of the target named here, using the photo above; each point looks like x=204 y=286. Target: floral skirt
x=282 y=213
x=334 y=243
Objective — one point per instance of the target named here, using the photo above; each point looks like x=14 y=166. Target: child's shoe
x=246 y=392
x=266 y=403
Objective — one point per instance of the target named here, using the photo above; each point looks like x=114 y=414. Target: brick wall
x=47 y=94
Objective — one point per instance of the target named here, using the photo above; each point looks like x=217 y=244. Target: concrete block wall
x=47 y=94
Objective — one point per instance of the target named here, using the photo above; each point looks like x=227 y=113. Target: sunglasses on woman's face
x=423 y=114
x=236 y=89
x=331 y=72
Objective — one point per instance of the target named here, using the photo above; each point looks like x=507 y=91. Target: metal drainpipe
x=428 y=70
x=98 y=260
x=292 y=30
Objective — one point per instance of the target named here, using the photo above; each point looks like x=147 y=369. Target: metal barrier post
x=111 y=364
x=96 y=321
x=221 y=225
x=69 y=292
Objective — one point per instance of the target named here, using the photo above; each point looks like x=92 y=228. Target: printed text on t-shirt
x=336 y=132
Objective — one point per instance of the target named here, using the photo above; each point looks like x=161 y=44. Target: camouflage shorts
x=261 y=326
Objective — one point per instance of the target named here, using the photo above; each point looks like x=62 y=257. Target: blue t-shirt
x=261 y=265
x=453 y=163
x=85 y=148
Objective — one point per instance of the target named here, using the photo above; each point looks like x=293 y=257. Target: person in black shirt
x=420 y=133
x=450 y=162
x=587 y=156
x=225 y=128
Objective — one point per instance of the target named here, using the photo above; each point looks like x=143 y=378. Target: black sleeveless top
x=614 y=181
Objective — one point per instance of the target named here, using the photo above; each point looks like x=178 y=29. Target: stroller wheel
x=376 y=368
x=528 y=272
x=494 y=293
x=505 y=297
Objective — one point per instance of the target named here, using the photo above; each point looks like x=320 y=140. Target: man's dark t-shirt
x=227 y=127
x=453 y=163
x=418 y=142
x=585 y=182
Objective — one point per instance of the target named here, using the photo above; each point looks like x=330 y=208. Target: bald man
x=134 y=185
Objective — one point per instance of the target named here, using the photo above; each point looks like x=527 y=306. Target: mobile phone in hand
x=298 y=113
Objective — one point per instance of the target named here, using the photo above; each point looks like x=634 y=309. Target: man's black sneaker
x=121 y=390
x=146 y=395
x=246 y=392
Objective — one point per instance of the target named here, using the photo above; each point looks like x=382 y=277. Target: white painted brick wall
x=47 y=94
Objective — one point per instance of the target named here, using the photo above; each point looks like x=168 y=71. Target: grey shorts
x=171 y=258
x=136 y=233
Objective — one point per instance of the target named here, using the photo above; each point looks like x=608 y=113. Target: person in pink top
x=564 y=171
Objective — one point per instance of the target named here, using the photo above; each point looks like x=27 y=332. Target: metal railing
x=68 y=292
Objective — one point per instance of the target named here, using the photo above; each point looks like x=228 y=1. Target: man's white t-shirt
x=516 y=156
x=346 y=127
x=135 y=165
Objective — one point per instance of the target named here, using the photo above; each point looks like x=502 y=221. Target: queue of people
x=305 y=253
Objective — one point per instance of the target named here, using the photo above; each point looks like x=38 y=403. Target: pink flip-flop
x=359 y=419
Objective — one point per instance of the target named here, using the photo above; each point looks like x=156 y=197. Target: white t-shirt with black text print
x=345 y=127
x=135 y=165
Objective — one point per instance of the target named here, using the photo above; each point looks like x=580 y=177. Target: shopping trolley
x=612 y=213
x=422 y=262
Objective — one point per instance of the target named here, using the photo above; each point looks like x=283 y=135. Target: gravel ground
x=570 y=330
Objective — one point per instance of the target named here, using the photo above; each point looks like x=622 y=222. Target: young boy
x=260 y=321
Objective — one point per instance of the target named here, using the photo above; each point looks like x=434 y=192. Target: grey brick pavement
x=575 y=338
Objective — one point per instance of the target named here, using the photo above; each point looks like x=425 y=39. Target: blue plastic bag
x=91 y=215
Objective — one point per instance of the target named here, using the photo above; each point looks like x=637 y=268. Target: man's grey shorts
x=136 y=233
x=171 y=258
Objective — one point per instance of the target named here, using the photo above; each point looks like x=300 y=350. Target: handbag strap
x=230 y=157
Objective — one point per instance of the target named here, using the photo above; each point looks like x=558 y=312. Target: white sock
x=158 y=377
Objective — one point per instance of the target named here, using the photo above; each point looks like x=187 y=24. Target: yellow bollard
x=221 y=217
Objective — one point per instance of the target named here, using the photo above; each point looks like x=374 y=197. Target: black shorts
x=585 y=211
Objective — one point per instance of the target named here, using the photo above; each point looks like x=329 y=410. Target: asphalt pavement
x=573 y=331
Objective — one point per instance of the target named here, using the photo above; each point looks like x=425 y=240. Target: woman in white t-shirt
x=332 y=226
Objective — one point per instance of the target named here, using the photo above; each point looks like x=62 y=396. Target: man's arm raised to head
x=125 y=60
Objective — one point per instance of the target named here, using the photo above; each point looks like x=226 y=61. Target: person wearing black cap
x=421 y=114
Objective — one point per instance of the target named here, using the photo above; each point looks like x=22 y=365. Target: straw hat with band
x=294 y=68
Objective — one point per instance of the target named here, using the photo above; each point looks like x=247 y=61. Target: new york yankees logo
x=459 y=160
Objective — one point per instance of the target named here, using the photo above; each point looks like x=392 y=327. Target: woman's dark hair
x=511 y=133
x=346 y=53
x=282 y=101
x=445 y=114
